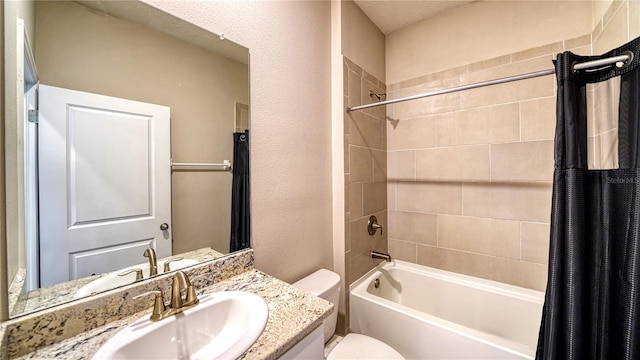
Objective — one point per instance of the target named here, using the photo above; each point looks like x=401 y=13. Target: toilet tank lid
x=319 y=283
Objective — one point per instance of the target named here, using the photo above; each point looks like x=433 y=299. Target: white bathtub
x=426 y=313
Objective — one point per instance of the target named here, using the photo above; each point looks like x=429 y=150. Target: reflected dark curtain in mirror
x=240 y=209
x=592 y=304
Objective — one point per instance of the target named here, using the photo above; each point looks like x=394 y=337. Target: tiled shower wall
x=470 y=173
x=365 y=174
x=620 y=24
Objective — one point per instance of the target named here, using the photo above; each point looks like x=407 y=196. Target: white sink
x=112 y=280
x=222 y=326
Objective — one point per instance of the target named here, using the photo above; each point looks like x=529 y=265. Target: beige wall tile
x=597 y=30
x=509 y=92
x=414 y=133
x=425 y=106
x=524 y=161
x=453 y=260
x=355 y=200
x=429 y=197
x=346 y=154
x=391 y=195
x=520 y=201
x=486 y=64
x=431 y=77
x=374 y=197
x=634 y=19
x=520 y=273
x=535 y=242
x=359 y=265
x=480 y=235
x=360 y=164
x=402 y=250
x=614 y=33
x=580 y=41
x=401 y=165
x=592 y=129
x=612 y=11
x=352 y=66
x=490 y=125
x=606 y=100
x=413 y=227
x=378 y=112
x=460 y=163
x=347 y=232
x=609 y=149
x=354 y=89
x=538 y=51
x=582 y=50
x=593 y=149
x=365 y=130
x=379 y=165
x=361 y=241
x=516 y=68
x=538 y=119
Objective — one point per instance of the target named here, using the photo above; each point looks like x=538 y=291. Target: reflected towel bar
x=626 y=58
x=226 y=166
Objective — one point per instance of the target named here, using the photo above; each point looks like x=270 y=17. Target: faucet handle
x=192 y=298
x=167 y=268
x=158 y=304
x=372 y=225
x=137 y=271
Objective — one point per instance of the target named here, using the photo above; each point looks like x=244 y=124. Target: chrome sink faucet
x=153 y=262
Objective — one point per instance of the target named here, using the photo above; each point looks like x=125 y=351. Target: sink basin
x=112 y=280
x=222 y=326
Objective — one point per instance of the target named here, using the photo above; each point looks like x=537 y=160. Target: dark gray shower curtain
x=592 y=302
x=240 y=209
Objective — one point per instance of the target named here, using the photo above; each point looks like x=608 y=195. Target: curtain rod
x=626 y=58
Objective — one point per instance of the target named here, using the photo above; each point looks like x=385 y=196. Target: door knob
x=164 y=226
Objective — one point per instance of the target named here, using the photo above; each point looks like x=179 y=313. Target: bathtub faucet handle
x=373 y=225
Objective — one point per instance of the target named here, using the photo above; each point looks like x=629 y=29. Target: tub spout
x=381 y=255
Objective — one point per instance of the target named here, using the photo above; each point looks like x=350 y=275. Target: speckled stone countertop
x=60 y=293
x=293 y=314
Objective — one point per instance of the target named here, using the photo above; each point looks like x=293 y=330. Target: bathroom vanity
x=294 y=321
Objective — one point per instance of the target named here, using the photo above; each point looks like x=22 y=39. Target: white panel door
x=105 y=186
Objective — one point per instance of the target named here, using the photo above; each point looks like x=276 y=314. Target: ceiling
x=392 y=15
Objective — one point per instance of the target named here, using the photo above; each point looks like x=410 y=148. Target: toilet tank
x=324 y=284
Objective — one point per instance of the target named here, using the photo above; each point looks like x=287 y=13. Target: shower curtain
x=592 y=302
x=240 y=209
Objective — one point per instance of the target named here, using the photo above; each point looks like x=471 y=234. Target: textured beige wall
x=362 y=41
x=289 y=44
x=80 y=49
x=482 y=30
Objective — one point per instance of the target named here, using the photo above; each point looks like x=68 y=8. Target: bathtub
x=427 y=313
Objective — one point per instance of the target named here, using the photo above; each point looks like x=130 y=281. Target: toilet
x=326 y=284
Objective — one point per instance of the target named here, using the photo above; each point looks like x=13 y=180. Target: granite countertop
x=60 y=293
x=293 y=314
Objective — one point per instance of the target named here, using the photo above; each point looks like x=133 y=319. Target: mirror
x=102 y=165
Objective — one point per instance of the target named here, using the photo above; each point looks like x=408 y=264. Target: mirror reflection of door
x=104 y=165
x=127 y=50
